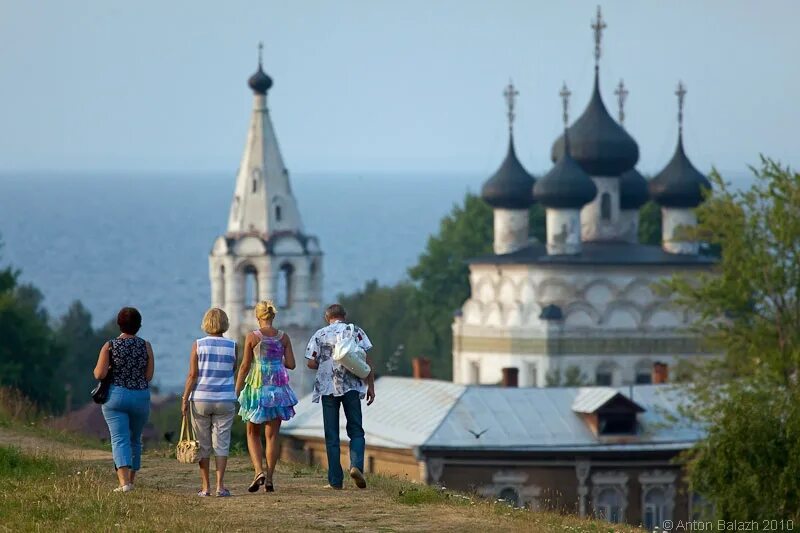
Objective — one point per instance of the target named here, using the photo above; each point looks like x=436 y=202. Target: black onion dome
x=509 y=187
x=566 y=186
x=260 y=82
x=680 y=184
x=633 y=192
x=598 y=142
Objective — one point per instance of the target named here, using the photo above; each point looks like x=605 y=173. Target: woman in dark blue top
x=130 y=360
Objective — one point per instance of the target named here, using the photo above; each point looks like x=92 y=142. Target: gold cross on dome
x=680 y=92
x=622 y=95
x=598 y=25
x=510 y=95
x=565 y=93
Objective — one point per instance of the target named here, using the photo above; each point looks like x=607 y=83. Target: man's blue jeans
x=351 y=402
x=126 y=413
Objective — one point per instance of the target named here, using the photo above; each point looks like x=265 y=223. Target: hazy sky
x=390 y=87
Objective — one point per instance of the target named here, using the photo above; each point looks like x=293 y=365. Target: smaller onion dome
x=260 y=82
x=680 y=184
x=566 y=186
x=598 y=142
x=509 y=187
x=633 y=190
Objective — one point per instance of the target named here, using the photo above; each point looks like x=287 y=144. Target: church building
x=582 y=304
x=266 y=254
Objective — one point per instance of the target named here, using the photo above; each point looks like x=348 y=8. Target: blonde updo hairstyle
x=266 y=310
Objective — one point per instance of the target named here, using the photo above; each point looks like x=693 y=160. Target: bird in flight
x=478 y=435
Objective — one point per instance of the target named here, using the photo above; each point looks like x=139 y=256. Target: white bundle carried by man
x=349 y=354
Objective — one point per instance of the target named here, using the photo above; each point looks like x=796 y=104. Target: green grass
x=15 y=465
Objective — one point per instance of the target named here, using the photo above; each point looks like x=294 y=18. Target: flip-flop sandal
x=203 y=493
x=257 y=482
x=224 y=493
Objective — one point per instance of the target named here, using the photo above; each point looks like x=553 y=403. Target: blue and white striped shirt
x=216 y=362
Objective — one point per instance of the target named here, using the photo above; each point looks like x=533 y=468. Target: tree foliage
x=40 y=360
x=749 y=310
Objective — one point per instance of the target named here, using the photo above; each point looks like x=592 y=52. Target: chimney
x=421 y=368
x=511 y=376
x=660 y=373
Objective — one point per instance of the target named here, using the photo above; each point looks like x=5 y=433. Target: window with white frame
x=658 y=497
x=608 y=505
x=610 y=495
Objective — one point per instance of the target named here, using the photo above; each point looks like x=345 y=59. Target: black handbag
x=100 y=392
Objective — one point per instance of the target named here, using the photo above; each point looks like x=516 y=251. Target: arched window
x=654 y=511
x=283 y=294
x=474 y=372
x=510 y=496
x=256 y=175
x=604 y=375
x=221 y=298
x=644 y=372
x=605 y=206
x=250 y=286
x=608 y=505
x=278 y=213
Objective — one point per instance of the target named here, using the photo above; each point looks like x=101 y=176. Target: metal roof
x=511 y=187
x=598 y=253
x=590 y=399
x=542 y=419
x=679 y=184
x=431 y=414
x=405 y=413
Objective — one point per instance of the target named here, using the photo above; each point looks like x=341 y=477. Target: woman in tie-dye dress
x=262 y=387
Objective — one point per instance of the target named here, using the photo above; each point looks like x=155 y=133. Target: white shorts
x=212 y=422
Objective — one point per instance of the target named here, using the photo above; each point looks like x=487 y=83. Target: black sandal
x=269 y=487
x=257 y=482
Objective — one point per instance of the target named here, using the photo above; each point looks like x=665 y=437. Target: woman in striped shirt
x=210 y=388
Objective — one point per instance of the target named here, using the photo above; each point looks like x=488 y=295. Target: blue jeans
x=126 y=413
x=351 y=402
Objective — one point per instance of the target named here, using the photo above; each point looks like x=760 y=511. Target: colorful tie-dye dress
x=266 y=394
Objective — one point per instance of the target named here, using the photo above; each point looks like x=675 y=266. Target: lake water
x=117 y=240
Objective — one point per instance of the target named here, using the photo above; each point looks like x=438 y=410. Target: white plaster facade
x=563 y=231
x=613 y=321
x=510 y=230
x=600 y=218
x=265 y=255
x=673 y=222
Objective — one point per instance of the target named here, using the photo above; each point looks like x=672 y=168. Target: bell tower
x=265 y=253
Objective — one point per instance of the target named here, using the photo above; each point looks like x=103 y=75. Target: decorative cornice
x=582 y=345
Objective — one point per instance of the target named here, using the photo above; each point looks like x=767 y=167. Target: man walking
x=336 y=386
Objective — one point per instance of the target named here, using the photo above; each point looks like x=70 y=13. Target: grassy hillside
x=50 y=485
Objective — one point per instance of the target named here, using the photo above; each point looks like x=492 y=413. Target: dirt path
x=300 y=503
x=33 y=444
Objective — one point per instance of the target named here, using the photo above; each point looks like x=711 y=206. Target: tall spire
x=565 y=93
x=510 y=95
x=598 y=25
x=260 y=54
x=680 y=92
x=622 y=95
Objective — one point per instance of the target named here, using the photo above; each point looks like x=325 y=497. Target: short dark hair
x=129 y=320
x=335 y=311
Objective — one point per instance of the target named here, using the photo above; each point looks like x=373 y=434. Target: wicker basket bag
x=188 y=449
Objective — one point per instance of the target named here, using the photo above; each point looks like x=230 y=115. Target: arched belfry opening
x=605 y=206
x=283 y=294
x=250 y=286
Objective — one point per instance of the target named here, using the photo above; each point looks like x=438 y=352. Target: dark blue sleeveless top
x=129 y=362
